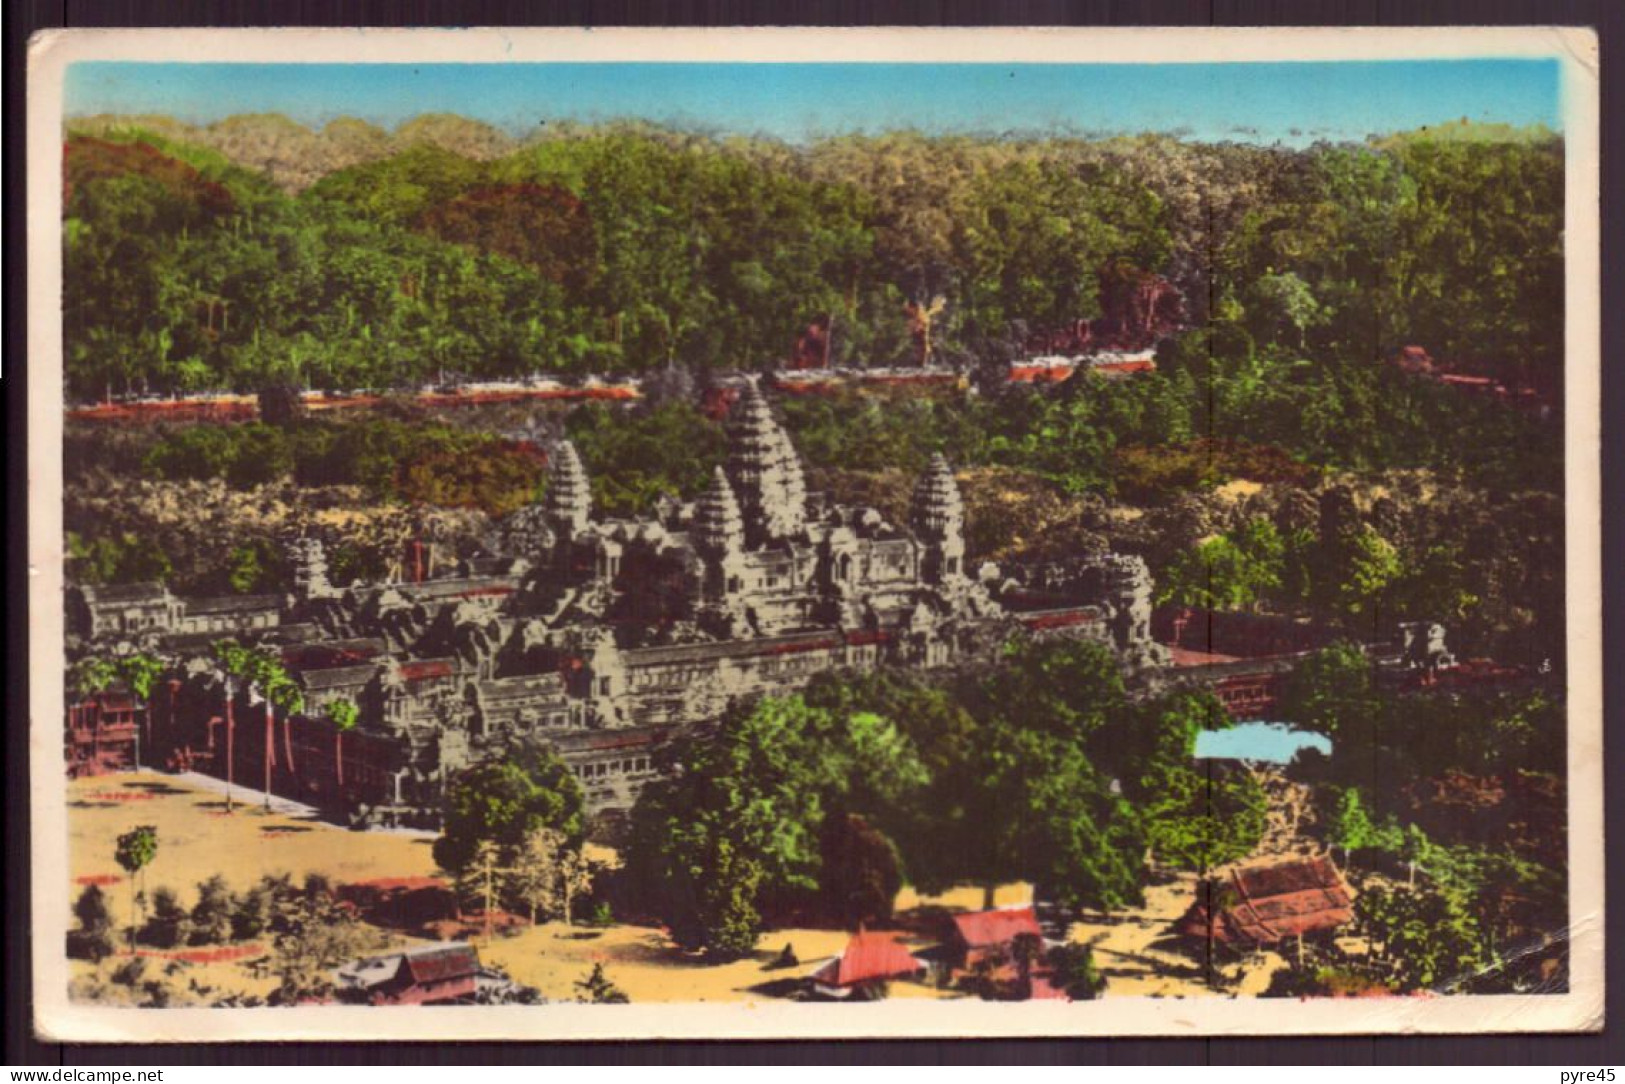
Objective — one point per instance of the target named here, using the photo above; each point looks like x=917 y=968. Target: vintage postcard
x=803 y=533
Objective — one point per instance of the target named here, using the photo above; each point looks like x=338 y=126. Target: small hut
x=423 y=976
x=868 y=960
x=1259 y=906
x=980 y=935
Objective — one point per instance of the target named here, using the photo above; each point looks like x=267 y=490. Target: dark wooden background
x=29 y=15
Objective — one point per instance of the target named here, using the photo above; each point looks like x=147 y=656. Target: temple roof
x=937 y=506
x=765 y=470
x=717 y=520
x=569 y=496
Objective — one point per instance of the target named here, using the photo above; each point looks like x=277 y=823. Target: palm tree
x=344 y=715
x=140 y=672
x=271 y=680
x=136 y=850
x=234 y=662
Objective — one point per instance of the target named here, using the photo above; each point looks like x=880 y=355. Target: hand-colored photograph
x=809 y=535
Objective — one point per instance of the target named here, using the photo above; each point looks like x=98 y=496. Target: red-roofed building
x=1264 y=905
x=868 y=959
x=420 y=977
x=979 y=935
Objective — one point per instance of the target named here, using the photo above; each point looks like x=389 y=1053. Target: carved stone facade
x=602 y=636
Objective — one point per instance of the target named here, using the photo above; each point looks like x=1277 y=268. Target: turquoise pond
x=1269 y=743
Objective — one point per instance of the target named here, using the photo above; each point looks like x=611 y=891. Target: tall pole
x=231 y=730
x=270 y=749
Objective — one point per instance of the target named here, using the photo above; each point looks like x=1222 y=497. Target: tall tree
x=502 y=801
x=481 y=878
x=548 y=873
x=140 y=672
x=234 y=666
x=270 y=679
x=134 y=853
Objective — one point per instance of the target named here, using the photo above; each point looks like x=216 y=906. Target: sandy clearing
x=197 y=840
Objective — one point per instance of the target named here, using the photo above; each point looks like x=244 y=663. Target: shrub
x=169 y=925
x=1074 y=970
x=130 y=972
x=212 y=916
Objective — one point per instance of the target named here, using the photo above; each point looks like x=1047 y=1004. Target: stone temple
x=599 y=636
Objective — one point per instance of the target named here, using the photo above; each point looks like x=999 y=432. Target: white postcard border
x=1580 y=1009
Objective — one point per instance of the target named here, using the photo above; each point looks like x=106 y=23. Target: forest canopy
x=623 y=248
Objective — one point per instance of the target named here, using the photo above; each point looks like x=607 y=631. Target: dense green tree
x=1427 y=936
x=1231 y=571
x=1074 y=971
x=860 y=871
x=503 y=800
x=735 y=837
x=1333 y=692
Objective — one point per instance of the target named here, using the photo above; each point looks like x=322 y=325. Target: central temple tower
x=765 y=472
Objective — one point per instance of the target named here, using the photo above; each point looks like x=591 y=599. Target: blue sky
x=1294 y=103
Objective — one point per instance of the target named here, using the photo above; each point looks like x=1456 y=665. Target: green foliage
x=1352 y=829
x=140 y=673
x=736 y=836
x=254 y=567
x=1229 y=571
x=596 y=989
x=1074 y=971
x=136 y=849
x=1427 y=936
x=1083 y=845
x=616 y=245
x=1202 y=819
x=1333 y=692
x=91 y=675
x=1366 y=565
x=1034 y=234
x=1069 y=688
x=502 y=801
x=860 y=871
x=343 y=714
x=115 y=559
x=634 y=458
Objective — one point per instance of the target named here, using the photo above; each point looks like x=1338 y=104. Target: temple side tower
x=765 y=472
x=719 y=529
x=719 y=539
x=308 y=560
x=569 y=496
x=937 y=515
